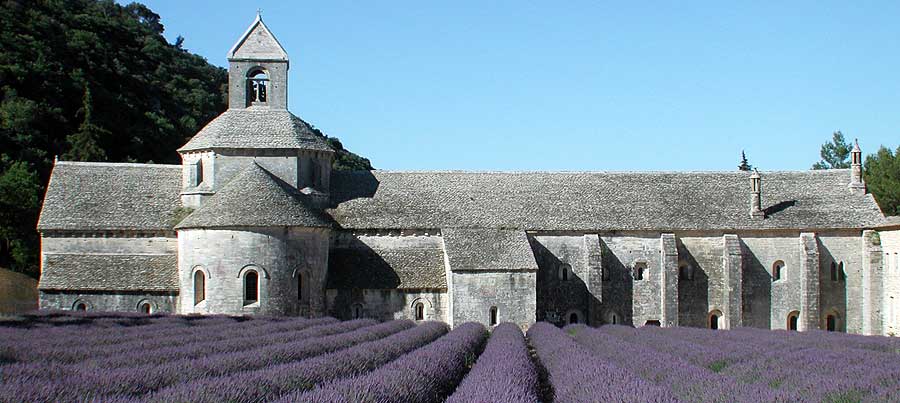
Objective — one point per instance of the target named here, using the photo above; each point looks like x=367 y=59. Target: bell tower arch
x=257 y=70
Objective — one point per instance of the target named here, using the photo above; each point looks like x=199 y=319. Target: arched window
x=652 y=323
x=686 y=273
x=792 y=320
x=356 y=311
x=257 y=83
x=251 y=287
x=714 y=318
x=639 y=269
x=778 y=270
x=420 y=311
x=199 y=286
x=573 y=318
x=832 y=321
x=80 y=306
x=614 y=319
x=493 y=316
x=145 y=307
x=564 y=270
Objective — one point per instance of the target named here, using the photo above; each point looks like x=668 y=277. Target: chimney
x=857 y=185
x=755 y=199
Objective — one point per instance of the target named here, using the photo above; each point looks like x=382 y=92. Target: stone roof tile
x=256 y=198
x=591 y=201
x=102 y=272
x=107 y=196
x=387 y=263
x=257 y=127
x=488 y=249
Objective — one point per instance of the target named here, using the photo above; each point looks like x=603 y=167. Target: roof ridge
x=118 y=164
x=524 y=172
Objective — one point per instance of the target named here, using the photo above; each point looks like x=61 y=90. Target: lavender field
x=96 y=357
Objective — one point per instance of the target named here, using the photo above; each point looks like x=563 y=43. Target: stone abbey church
x=254 y=221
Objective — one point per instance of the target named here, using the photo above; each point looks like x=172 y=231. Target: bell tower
x=257 y=70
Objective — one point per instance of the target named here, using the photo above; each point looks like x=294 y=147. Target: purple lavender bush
x=504 y=372
x=575 y=376
x=426 y=375
x=270 y=383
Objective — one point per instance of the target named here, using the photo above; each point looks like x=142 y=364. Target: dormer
x=257 y=70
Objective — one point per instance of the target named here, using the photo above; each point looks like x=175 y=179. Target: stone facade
x=254 y=221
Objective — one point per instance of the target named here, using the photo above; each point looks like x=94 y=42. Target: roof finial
x=259 y=13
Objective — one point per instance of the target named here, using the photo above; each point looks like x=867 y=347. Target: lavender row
x=504 y=372
x=576 y=377
x=688 y=382
x=148 y=345
x=157 y=363
x=270 y=383
x=425 y=375
x=144 y=379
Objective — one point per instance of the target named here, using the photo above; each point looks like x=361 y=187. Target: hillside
x=91 y=80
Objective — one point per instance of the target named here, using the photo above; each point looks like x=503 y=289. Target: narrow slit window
x=493 y=316
x=251 y=288
x=420 y=311
x=199 y=287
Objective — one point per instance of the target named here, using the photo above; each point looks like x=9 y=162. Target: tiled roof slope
x=256 y=198
x=257 y=127
x=376 y=264
x=107 y=196
x=488 y=249
x=598 y=200
x=86 y=272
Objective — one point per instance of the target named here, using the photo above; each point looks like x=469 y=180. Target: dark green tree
x=83 y=144
x=745 y=165
x=20 y=193
x=882 y=173
x=835 y=154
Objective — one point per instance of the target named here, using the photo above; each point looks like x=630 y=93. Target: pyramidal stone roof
x=592 y=201
x=257 y=127
x=257 y=43
x=256 y=198
x=111 y=196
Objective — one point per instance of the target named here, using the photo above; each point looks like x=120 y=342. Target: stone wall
x=890 y=244
x=559 y=295
x=634 y=301
x=386 y=304
x=119 y=301
x=512 y=293
x=279 y=255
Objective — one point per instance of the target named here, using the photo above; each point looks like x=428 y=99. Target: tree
x=882 y=173
x=84 y=143
x=835 y=154
x=744 y=166
x=20 y=193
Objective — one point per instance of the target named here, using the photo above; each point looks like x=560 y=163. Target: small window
x=357 y=311
x=638 y=271
x=199 y=287
x=573 y=318
x=145 y=308
x=652 y=323
x=831 y=323
x=420 y=311
x=564 y=272
x=778 y=271
x=493 y=316
x=686 y=273
x=196 y=174
x=793 y=318
x=614 y=319
x=713 y=320
x=80 y=306
x=841 y=275
x=251 y=287
x=604 y=274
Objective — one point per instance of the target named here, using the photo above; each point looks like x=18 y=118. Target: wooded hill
x=92 y=80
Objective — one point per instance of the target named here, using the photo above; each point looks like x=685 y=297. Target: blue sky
x=515 y=85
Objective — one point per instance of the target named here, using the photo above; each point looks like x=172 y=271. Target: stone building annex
x=254 y=221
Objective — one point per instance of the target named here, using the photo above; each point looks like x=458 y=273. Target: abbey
x=254 y=221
